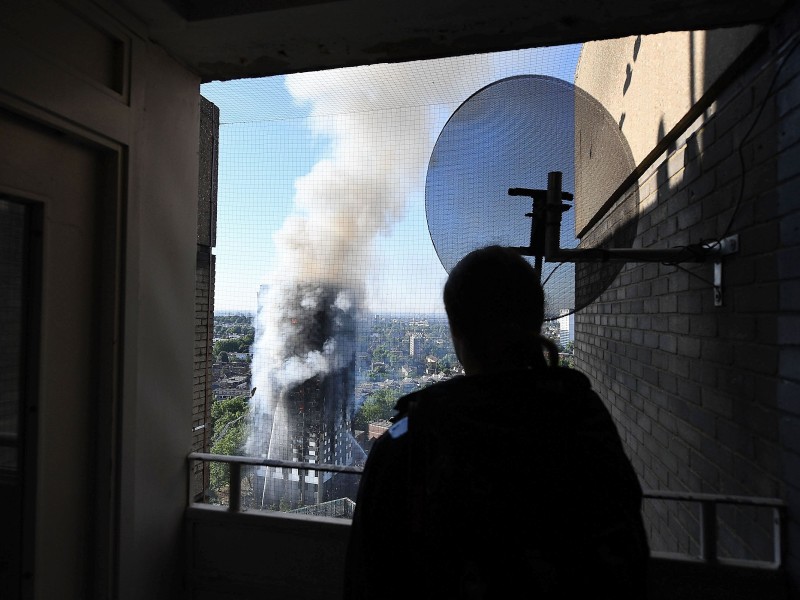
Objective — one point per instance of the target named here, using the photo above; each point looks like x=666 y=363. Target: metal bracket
x=545 y=241
x=723 y=247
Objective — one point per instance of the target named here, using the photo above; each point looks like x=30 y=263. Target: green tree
x=245 y=341
x=377 y=406
x=567 y=358
x=229 y=345
x=380 y=354
x=229 y=426
x=450 y=360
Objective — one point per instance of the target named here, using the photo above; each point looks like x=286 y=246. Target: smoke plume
x=380 y=124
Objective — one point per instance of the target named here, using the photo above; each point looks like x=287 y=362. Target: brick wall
x=706 y=397
x=204 y=290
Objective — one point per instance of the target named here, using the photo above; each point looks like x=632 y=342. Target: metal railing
x=709 y=524
x=708 y=503
x=236 y=463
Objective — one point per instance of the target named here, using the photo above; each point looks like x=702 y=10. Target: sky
x=322 y=176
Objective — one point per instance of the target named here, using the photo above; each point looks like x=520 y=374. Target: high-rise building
x=308 y=381
x=566 y=327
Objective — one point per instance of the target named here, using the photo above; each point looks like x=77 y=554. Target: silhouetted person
x=508 y=482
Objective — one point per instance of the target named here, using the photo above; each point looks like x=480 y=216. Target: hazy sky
x=322 y=175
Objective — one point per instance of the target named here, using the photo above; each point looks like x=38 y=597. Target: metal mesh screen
x=328 y=286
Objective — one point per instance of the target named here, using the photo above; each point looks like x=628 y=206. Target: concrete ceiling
x=233 y=39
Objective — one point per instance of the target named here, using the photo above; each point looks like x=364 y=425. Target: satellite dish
x=509 y=136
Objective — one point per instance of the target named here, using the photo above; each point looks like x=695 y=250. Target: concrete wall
x=118 y=318
x=263 y=554
x=705 y=396
x=159 y=324
x=244 y=556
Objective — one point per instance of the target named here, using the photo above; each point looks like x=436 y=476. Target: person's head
x=495 y=306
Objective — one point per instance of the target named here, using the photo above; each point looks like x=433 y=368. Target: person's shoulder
x=561 y=391
x=390 y=446
x=425 y=396
x=398 y=429
x=571 y=383
x=435 y=391
x=564 y=379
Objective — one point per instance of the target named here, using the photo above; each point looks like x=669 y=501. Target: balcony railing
x=287 y=539
x=709 y=522
x=235 y=463
x=708 y=503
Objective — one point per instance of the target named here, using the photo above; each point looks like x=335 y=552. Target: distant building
x=377 y=428
x=308 y=421
x=566 y=327
x=431 y=364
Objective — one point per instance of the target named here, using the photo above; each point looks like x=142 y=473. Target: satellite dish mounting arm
x=539 y=221
x=546 y=239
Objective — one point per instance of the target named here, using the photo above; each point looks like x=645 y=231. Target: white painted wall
x=159 y=323
x=114 y=427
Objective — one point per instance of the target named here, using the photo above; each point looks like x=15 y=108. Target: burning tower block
x=304 y=373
